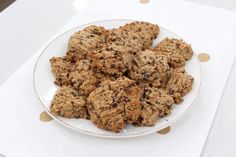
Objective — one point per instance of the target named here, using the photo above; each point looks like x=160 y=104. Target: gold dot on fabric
x=164 y=131
x=144 y=1
x=45 y=117
x=204 y=57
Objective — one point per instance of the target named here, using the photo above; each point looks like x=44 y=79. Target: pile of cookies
x=114 y=77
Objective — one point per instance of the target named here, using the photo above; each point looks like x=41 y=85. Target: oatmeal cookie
x=176 y=50
x=156 y=104
x=179 y=85
x=149 y=66
x=126 y=39
x=61 y=69
x=147 y=32
x=67 y=103
x=84 y=41
x=159 y=82
x=112 y=60
x=136 y=35
x=114 y=103
x=82 y=78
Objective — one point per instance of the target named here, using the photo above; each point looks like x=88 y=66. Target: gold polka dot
x=204 y=57
x=144 y=1
x=45 y=117
x=164 y=131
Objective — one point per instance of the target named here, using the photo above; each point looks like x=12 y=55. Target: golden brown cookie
x=61 y=69
x=82 y=78
x=156 y=103
x=146 y=32
x=67 y=103
x=83 y=42
x=136 y=35
x=126 y=39
x=148 y=66
x=110 y=105
x=111 y=59
x=176 y=50
x=179 y=84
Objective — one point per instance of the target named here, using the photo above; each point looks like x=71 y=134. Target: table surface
x=221 y=140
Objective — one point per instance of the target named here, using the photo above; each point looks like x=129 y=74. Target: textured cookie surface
x=179 y=85
x=61 y=69
x=156 y=104
x=176 y=50
x=83 y=42
x=67 y=103
x=114 y=103
x=147 y=65
x=112 y=60
x=136 y=35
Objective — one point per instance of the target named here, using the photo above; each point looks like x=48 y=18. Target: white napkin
x=208 y=29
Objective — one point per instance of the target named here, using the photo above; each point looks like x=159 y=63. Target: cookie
x=149 y=66
x=67 y=103
x=176 y=50
x=136 y=35
x=111 y=59
x=147 y=32
x=111 y=104
x=156 y=104
x=61 y=69
x=82 y=78
x=126 y=39
x=179 y=84
x=83 y=42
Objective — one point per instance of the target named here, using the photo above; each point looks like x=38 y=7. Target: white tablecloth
x=197 y=23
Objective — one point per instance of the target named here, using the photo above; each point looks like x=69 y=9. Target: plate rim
x=101 y=135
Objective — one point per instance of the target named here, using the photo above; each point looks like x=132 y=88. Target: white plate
x=45 y=88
